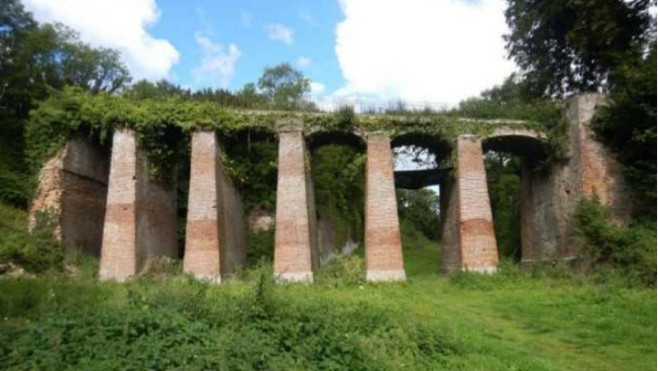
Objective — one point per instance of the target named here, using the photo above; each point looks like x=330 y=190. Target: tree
x=36 y=60
x=628 y=126
x=284 y=86
x=573 y=45
x=421 y=209
x=249 y=97
x=144 y=89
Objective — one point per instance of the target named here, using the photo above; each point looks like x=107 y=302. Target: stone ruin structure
x=107 y=204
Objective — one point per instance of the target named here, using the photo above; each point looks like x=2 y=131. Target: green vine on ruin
x=160 y=125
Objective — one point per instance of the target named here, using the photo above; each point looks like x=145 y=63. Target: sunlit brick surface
x=293 y=256
x=471 y=243
x=383 y=244
x=214 y=243
x=140 y=215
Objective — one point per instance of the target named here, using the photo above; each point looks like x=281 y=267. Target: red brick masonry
x=383 y=244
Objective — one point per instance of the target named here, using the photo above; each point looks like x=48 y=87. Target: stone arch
x=321 y=138
x=434 y=176
x=527 y=143
x=437 y=146
x=329 y=242
x=538 y=206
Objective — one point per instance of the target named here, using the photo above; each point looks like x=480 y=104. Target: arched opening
x=250 y=158
x=420 y=171
x=337 y=173
x=513 y=160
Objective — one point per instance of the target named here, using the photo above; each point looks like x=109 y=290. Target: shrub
x=36 y=250
x=344 y=270
x=631 y=249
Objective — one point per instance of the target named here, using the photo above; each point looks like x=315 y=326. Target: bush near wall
x=630 y=249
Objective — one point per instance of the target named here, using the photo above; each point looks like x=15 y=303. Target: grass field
x=547 y=319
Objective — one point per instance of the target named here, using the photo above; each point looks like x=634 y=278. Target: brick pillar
x=294 y=247
x=471 y=243
x=383 y=244
x=214 y=239
x=140 y=215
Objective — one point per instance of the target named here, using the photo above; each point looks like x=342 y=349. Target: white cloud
x=279 y=32
x=422 y=50
x=217 y=65
x=303 y=62
x=317 y=88
x=116 y=24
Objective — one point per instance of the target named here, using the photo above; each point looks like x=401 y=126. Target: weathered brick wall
x=202 y=242
x=549 y=197
x=383 y=244
x=469 y=223
x=73 y=185
x=450 y=247
x=295 y=244
x=540 y=205
x=600 y=173
x=140 y=216
x=233 y=255
x=215 y=240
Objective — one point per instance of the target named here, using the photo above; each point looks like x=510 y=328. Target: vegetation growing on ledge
x=158 y=123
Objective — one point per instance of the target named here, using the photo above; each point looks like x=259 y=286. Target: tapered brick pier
x=140 y=214
x=383 y=243
x=215 y=238
x=295 y=236
x=469 y=239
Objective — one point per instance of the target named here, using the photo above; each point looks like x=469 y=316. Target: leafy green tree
x=249 y=97
x=420 y=208
x=573 y=45
x=338 y=178
x=284 y=86
x=628 y=126
x=504 y=184
x=36 y=60
x=144 y=89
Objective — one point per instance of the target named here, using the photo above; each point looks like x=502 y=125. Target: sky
x=438 y=51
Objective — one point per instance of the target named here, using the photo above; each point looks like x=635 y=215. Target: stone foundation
x=140 y=216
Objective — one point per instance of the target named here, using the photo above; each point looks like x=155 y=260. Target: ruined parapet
x=73 y=188
x=469 y=239
x=140 y=216
x=295 y=246
x=384 y=261
x=215 y=244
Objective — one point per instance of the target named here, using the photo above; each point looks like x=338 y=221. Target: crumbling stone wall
x=73 y=187
x=549 y=196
